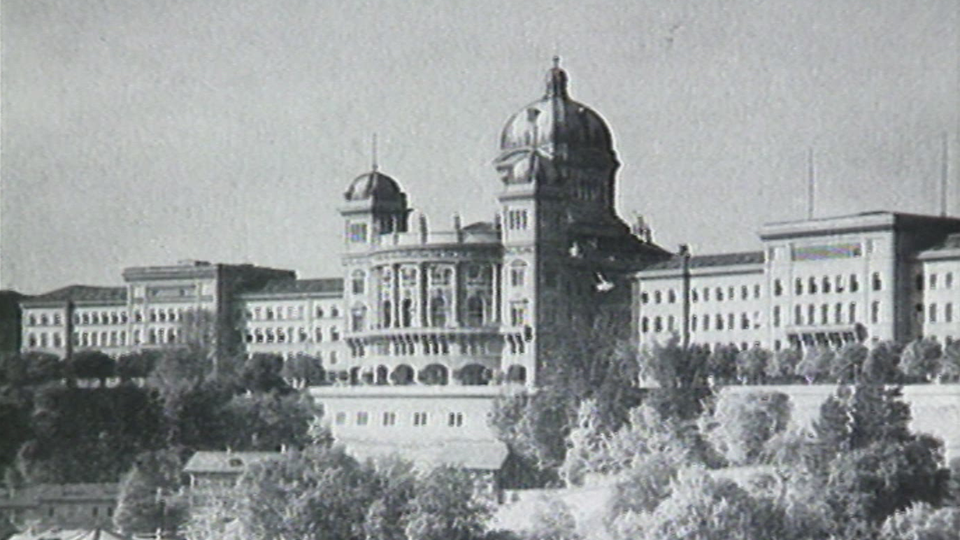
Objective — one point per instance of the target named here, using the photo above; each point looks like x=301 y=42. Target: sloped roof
x=321 y=285
x=81 y=293
x=474 y=455
x=708 y=261
x=69 y=534
x=951 y=242
x=225 y=462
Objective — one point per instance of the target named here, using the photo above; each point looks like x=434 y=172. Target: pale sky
x=138 y=133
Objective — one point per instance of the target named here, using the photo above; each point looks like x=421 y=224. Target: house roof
x=69 y=534
x=286 y=286
x=81 y=293
x=709 y=261
x=34 y=495
x=474 y=455
x=224 y=462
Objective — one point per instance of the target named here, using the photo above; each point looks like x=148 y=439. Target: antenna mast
x=811 y=179
x=944 y=173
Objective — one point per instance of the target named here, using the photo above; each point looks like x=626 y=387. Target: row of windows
x=516 y=220
x=935 y=313
x=98 y=317
x=389 y=418
x=729 y=321
x=281 y=313
x=45 y=320
x=289 y=335
x=704 y=294
x=932 y=281
x=828 y=284
x=837 y=313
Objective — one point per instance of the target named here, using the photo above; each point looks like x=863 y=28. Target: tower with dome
x=440 y=322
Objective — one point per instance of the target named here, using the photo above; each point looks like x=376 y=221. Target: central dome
x=556 y=124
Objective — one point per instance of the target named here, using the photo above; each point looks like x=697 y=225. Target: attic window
x=236 y=462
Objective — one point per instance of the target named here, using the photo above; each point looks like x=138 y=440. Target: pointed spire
x=556 y=80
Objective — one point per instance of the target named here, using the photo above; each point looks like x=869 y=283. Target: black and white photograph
x=491 y=270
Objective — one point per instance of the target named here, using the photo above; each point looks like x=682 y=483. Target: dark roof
x=81 y=292
x=481 y=226
x=322 y=285
x=951 y=242
x=708 y=261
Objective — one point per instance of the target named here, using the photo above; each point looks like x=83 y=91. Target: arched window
x=382 y=374
x=438 y=311
x=434 y=374
x=474 y=375
x=402 y=375
x=474 y=311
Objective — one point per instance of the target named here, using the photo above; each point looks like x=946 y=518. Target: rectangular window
x=341 y=418
x=357 y=232
x=875 y=312
x=362 y=418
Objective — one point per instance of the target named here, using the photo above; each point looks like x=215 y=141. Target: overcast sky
x=137 y=133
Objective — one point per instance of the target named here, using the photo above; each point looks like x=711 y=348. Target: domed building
x=439 y=322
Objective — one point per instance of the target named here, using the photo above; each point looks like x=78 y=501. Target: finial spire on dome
x=373 y=152
x=556 y=80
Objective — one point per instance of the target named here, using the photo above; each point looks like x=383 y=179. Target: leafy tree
x=446 y=507
x=858 y=416
x=42 y=367
x=535 y=426
x=742 y=423
x=16 y=406
x=303 y=370
x=848 y=363
x=643 y=487
x=950 y=362
x=922 y=521
x=868 y=484
x=397 y=487
x=262 y=373
x=267 y=421
x=815 y=364
x=921 y=359
x=194 y=415
x=92 y=364
x=144 y=504
x=722 y=364
x=752 y=365
x=137 y=365
x=552 y=520
x=13 y=369
x=318 y=494
x=700 y=506
x=881 y=365
x=586 y=446
x=782 y=366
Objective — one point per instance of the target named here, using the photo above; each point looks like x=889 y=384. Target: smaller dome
x=373 y=185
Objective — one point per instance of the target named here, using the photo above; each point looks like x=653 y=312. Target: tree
x=643 y=487
x=535 y=427
x=267 y=421
x=868 y=484
x=922 y=521
x=92 y=365
x=742 y=423
x=397 y=488
x=722 y=364
x=42 y=367
x=881 y=364
x=262 y=373
x=137 y=365
x=144 y=504
x=860 y=415
x=446 y=507
x=848 y=363
x=815 y=364
x=752 y=365
x=950 y=363
x=317 y=494
x=921 y=359
x=552 y=520
x=782 y=366
x=303 y=370
x=702 y=507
